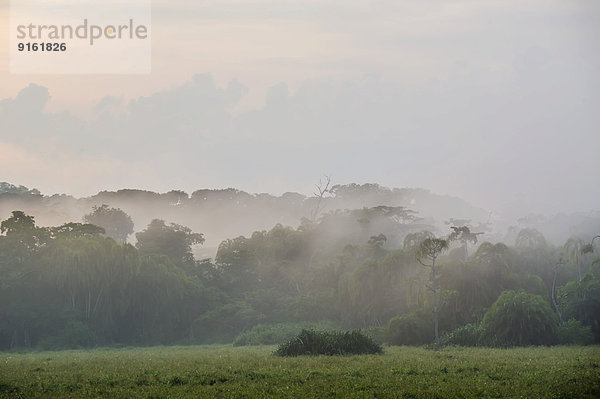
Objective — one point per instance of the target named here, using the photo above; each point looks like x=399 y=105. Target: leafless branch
x=323 y=188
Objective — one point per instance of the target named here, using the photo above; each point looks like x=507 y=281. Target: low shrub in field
x=574 y=333
x=467 y=335
x=272 y=334
x=310 y=342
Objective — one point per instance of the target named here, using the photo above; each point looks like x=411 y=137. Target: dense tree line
x=227 y=213
x=82 y=284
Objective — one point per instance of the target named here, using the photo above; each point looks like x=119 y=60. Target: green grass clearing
x=251 y=372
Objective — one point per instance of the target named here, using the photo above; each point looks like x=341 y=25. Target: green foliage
x=497 y=258
x=530 y=238
x=464 y=236
x=116 y=223
x=273 y=334
x=373 y=292
x=58 y=279
x=518 y=319
x=580 y=300
x=320 y=306
x=378 y=334
x=285 y=279
x=310 y=342
x=163 y=302
x=7 y=188
x=174 y=241
x=575 y=333
x=412 y=241
x=415 y=328
x=76 y=230
x=467 y=335
x=225 y=322
x=22 y=237
x=527 y=282
x=431 y=248
x=237 y=264
x=74 y=335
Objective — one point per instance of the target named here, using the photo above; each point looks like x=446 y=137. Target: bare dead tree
x=322 y=188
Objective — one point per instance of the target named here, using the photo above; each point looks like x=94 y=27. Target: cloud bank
x=495 y=102
x=528 y=137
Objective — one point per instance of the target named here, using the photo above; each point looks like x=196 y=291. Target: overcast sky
x=497 y=102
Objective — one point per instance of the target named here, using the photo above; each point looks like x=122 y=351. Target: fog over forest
x=382 y=172
x=222 y=266
x=226 y=213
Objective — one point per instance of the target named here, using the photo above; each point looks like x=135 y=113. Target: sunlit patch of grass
x=223 y=371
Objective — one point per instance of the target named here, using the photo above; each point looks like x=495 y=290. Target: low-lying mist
x=225 y=213
x=225 y=266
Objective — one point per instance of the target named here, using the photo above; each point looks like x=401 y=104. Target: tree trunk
x=98 y=298
x=88 y=305
x=435 y=309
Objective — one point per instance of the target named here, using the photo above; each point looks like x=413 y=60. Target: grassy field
x=253 y=372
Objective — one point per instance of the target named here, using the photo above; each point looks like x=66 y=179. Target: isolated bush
x=410 y=329
x=519 y=319
x=311 y=342
x=272 y=334
x=467 y=335
x=575 y=333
